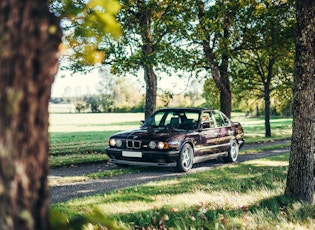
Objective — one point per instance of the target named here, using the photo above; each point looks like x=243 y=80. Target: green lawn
x=78 y=147
x=236 y=196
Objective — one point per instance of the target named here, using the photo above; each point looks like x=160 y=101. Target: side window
x=218 y=119
x=205 y=117
x=226 y=121
x=207 y=120
x=191 y=120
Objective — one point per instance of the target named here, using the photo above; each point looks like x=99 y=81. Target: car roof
x=196 y=109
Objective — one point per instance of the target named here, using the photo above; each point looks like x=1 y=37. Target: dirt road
x=90 y=187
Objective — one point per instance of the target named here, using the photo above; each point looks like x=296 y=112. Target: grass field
x=237 y=196
x=82 y=138
x=82 y=122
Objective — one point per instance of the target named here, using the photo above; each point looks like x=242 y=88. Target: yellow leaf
x=111 y=6
x=165 y=217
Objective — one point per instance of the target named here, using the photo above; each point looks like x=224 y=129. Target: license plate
x=131 y=154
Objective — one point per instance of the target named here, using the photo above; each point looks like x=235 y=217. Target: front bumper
x=143 y=158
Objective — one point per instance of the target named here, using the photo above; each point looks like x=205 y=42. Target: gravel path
x=66 y=192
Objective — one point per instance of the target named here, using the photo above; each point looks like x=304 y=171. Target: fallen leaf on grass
x=174 y=209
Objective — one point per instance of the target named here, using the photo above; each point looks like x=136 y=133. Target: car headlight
x=161 y=145
x=112 y=142
x=152 y=145
x=118 y=143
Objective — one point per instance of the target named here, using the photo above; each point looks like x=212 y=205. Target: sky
x=81 y=84
x=74 y=85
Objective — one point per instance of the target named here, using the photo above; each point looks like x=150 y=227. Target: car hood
x=150 y=134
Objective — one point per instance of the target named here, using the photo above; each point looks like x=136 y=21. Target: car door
x=208 y=135
x=224 y=130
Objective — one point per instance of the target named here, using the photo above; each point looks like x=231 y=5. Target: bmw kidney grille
x=131 y=144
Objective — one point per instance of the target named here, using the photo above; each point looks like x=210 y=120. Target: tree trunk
x=147 y=50
x=267 y=111
x=29 y=39
x=225 y=89
x=226 y=103
x=151 y=89
x=300 y=178
x=267 y=91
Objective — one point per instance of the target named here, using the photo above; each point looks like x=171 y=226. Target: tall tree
x=210 y=33
x=29 y=40
x=300 y=178
x=147 y=45
x=213 y=32
x=142 y=13
x=266 y=52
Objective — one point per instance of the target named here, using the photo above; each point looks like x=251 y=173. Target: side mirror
x=141 y=122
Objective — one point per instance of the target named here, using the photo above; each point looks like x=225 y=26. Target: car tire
x=232 y=153
x=185 y=159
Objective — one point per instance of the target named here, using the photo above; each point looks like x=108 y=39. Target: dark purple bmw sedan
x=178 y=137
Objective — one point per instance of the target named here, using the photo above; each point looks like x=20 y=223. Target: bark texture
x=151 y=89
x=300 y=179
x=29 y=39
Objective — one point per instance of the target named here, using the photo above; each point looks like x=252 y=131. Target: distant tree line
x=99 y=103
x=118 y=94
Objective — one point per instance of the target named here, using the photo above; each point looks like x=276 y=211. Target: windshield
x=180 y=119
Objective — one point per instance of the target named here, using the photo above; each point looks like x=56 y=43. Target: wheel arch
x=187 y=141
x=234 y=139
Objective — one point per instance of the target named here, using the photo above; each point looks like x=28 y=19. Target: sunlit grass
x=237 y=196
x=66 y=180
x=254 y=128
x=79 y=142
x=113 y=172
x=76 y=159
x=265 y=148
x=78 y=148
x=57 y=181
